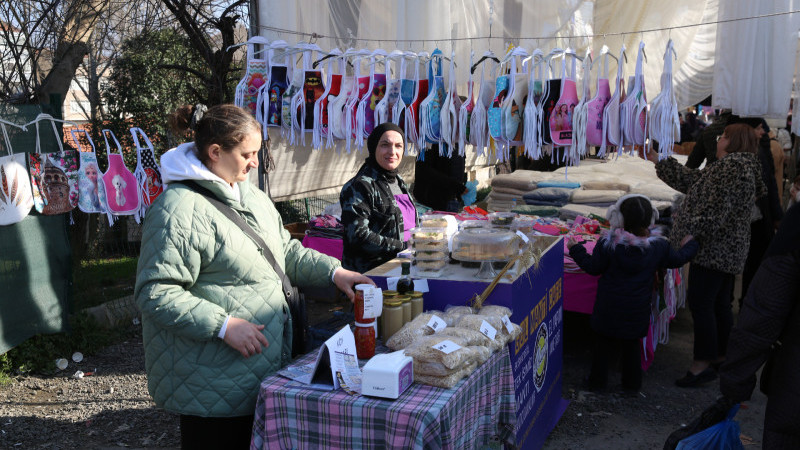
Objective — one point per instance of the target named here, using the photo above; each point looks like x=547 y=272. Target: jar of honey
x=392 y=318
x=416 y=303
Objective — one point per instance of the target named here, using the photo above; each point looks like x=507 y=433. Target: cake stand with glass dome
x=485 y=246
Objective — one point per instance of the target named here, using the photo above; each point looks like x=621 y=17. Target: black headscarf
x=373 y=140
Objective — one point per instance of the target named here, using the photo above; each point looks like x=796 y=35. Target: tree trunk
x=81 y=18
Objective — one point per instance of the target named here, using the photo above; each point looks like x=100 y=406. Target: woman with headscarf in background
x=377 y=208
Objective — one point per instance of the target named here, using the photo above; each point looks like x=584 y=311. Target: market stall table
x=478 y=410
x=534 y=294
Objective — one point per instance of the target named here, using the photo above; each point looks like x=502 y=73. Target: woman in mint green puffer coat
x=214 y=315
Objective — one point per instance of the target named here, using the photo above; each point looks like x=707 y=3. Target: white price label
x=373 y=302
x=447 y=347
x=522 y=235
x=488 y=330
x=391 y=283
x=437 y=324
x=508 y=324
x=421 y=285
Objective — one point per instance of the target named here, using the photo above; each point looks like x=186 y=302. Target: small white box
x=387 y=375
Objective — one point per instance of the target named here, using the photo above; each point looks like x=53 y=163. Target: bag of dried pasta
x=411 y=330
x=451 y=351
x=470 y=336
x=447 y=381
x=453 y=313
x=495 y=310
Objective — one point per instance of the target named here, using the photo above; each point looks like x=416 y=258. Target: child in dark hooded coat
x=627 y=259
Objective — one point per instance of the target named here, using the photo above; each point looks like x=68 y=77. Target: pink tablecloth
x=330 y=247
x=580 y=290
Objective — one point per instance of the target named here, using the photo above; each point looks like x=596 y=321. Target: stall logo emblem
x=540 y=357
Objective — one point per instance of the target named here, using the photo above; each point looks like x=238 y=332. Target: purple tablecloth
x=479 y=409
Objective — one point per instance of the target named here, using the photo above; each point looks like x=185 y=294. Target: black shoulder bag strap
x=300 y=332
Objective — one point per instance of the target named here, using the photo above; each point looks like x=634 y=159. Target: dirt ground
x=111 y=408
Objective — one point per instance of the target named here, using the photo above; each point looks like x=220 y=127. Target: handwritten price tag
x=522 y=236
x=373 y=302
x=507 y=323
x=437 y=324
x=488 y=330
x=447 y=347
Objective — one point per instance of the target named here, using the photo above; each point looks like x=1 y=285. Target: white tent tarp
x=747 y=64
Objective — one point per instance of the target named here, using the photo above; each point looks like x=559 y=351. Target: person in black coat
x=768 y=332
x=440 y=181
x=769 y=207
x=627 y=259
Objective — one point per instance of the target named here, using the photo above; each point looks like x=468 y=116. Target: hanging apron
x=665 y=127
x=255 y=77
x=465 y=112
x=551 y=96
x=332 y=87
x=594 y=124
x=15 y=186
x=560 y=119
x=54 y=176
x=91 y=192
x=580 y=117
x=278 y=83
x=147 y=173
x=532 y=113
x=365 y=111
x=122 y=193
x=612 y=130
x=479 y=122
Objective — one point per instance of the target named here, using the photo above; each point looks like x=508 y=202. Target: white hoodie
x=181 y=163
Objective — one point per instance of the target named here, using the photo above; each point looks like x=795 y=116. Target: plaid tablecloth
x=479 y=409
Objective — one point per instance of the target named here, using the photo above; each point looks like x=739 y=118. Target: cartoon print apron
x=15 y=186
x=147 y=173
x=92 y=193
x=560 y=119
x=54 y=176
x=278 y=83
x=255 y=77
x=549 y=100
x=122 y=193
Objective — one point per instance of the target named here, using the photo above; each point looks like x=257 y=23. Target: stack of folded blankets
x=589 y=188
x=509 y=189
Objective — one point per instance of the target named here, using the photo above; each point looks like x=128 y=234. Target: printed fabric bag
x=15 y=186
x=92 y=193
x=122 y=190
x=54 y=176
x=147 y=173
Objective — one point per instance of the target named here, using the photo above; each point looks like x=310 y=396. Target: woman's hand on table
x=245 y=337
x=345 y=280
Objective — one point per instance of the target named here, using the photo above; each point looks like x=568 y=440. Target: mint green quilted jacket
x=195 y=268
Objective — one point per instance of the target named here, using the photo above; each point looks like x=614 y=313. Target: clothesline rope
x=584 y=36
